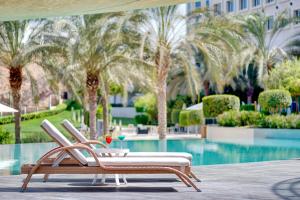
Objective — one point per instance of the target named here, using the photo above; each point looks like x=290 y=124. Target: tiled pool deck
x=260 y=181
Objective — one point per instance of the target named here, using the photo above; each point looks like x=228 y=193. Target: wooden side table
x=114 y=152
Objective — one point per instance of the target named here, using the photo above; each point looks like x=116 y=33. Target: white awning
x=29 y=9
x=6 y=109
x=195 y=107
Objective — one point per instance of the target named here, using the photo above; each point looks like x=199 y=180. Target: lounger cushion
x=140 y=161
x=70 y=127
x=62 y=140
x=151 y=154
x=161 y=154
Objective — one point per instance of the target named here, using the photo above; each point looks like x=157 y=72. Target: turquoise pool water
x=204 y=152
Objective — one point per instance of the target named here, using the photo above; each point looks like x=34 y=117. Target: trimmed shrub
x=35 y=115
x=280 y=121
x=142 y=119
x=73 y=104
x=184 y=118
x=293 y=121
x=274 y=121
x=7 y=119
x=215 y=105
x=195 y=117
x=229 y=118
x=147 y=104
x=190 y=117
x=175 y=116
x=250 y=118
x=248 y=107
x=99 y=114
x=274 y=101
x=5 y=136
x=256 y=119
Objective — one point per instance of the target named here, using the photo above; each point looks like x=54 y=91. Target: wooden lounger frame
x=43 y=166
x=190 y=174
x=73 y=166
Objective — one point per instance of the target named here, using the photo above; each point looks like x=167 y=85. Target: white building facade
x=270 y=7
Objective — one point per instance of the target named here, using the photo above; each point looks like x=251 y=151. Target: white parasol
x=6 y=109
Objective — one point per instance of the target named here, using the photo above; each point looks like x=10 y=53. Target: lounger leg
x=46 y=176
x=95 y=179
x=195 y=177
x=184 y=181
x=103 y=179
x=124 y=179
x=117 y=179
x=189 y=182
x=26 y=181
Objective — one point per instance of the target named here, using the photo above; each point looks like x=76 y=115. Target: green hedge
x=243 y=118
x=215 y=105
x=142 y=119
x=5 y=137
x=248 y=107
x=256 y=119
x=280 y=121
x=190 y=117
x=175 y=116
x=250 y=118
x=274 y=101
x=184 y=118
x=229 y=118
x=35 y=115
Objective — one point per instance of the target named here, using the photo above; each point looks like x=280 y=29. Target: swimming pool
x=204 y=152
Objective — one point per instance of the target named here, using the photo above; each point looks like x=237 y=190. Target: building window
x=255 y=3
x=269 y=1
x=297 y=16
x=229 y=6
x=207 y=2
x=198 y=4
x=270 y=22
x=243 y=4
x=217 y=9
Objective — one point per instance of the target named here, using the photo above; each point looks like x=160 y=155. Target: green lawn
x=125 y=121
x=32 y=132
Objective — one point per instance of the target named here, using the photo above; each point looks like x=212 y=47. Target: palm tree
x=168 y=45
x=21 y=44
x=262 y=34
x=94 y=43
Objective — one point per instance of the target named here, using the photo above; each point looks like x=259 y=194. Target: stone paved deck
x=259 y=181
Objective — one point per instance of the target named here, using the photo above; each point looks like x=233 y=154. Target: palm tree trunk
x=15 y=80
x=105 y=114
x=92 y=84
x=162 y=108
x=206 y=87
x=106 y=107
x=92 y=110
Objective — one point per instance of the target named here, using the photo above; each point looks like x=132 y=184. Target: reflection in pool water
x=204 y=152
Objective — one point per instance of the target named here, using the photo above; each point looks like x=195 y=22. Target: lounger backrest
x=75 y=132
x=54 y=133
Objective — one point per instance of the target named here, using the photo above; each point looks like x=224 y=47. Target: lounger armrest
x=66 y=149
